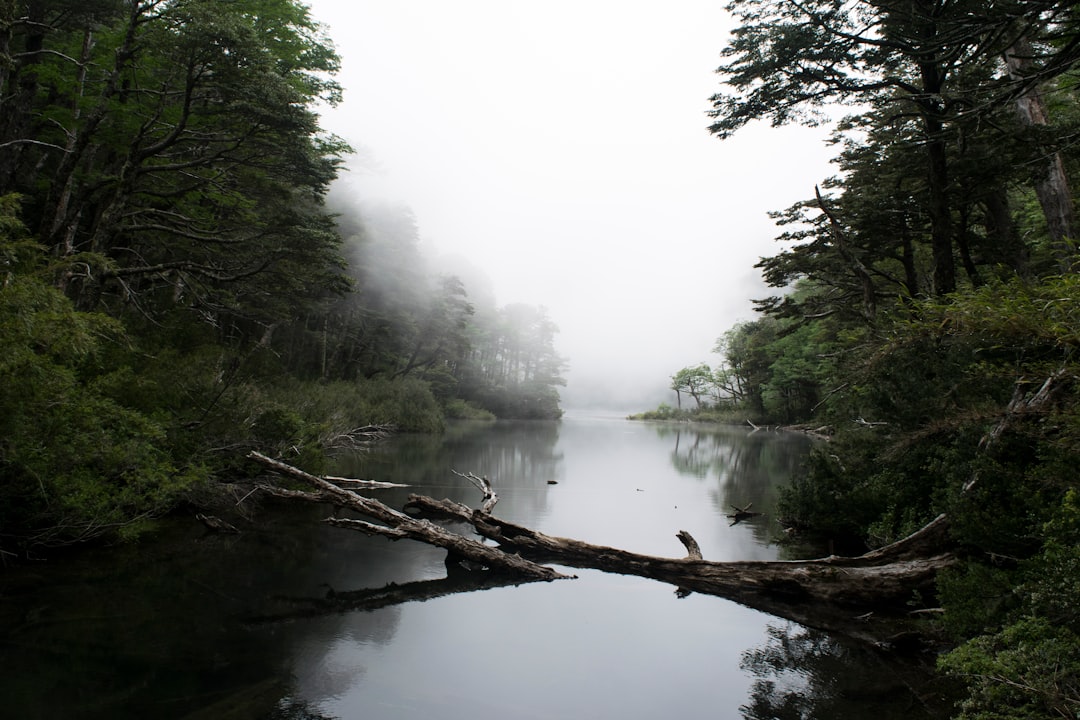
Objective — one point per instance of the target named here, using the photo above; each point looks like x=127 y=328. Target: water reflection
x=803 y=674
x=748 y=467
x=165 y=629
x=519 y=457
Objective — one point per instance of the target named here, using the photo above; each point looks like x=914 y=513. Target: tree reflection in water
x=749 y=467
x=802 y=674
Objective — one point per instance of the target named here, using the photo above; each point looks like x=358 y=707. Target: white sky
x=561 y=147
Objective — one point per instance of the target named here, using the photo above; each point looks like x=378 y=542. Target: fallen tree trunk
x=857 y=596
x=827 y=593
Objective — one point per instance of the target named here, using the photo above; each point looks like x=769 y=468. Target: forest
x=927 y=310
x=181 y=287
x=178 y=286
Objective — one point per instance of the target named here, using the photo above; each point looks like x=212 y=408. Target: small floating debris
x=743 y=513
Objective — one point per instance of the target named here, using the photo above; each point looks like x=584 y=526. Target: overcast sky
x=561 y=147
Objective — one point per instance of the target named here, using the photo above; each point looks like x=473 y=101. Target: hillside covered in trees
x=176 y=290
x=928 y=309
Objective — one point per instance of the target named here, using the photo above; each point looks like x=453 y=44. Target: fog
x=561 y=148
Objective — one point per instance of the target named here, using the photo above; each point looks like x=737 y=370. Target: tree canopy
x=175 y=289
x=928 y=82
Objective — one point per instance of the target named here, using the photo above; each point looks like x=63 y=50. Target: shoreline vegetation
x=179 y=285
x=967 y=406
x=926 y=306
x=727 y=417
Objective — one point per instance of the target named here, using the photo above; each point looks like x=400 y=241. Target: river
x=190 y=624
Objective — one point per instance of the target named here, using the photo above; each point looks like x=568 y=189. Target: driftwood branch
x=693 y=550
x=1020 y=405
x=358 y=438
x=216 y=524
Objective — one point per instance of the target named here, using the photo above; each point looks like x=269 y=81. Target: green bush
x=457 y=409
x=976 y=597
x=1028 y=671
x=76 y=463
x=404 y=403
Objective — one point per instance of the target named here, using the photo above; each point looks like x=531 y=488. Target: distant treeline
x=173 y=288
x=928 y=313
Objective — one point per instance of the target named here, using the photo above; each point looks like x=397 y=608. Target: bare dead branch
x=483 y=485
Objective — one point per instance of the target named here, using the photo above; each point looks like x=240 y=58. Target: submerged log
x=368 y=599
x=850 y=595
x=216 y=524
x=741 y=514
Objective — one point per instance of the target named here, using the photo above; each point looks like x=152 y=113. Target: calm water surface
x=195 y=625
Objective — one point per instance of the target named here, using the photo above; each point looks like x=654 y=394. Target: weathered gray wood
x=693 y=550
x=827 y=593
x=858 y=596
x=399 y=525
x=884 y=576
x=484 y=486
x=217 y=524
x=741 y=514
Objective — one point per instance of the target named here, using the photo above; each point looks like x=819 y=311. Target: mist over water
x=561 y=150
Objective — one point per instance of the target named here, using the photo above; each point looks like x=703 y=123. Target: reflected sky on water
x=191 y=625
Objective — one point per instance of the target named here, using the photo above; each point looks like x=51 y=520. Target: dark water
x=196 y=625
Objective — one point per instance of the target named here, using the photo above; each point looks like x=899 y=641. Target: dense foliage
x=174 y=289
x=928 y=309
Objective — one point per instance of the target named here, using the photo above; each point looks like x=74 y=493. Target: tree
x=697 y=382
x=924 y=67
x=1051 y=182
x=746 y=360
x=927 y=292
x=76 y=461
x=185 y=163
x=441 y=338
x=513 y=368
x=171 y=171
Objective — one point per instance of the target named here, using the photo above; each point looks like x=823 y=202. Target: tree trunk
x=941 y=236
x=940 y=213
x=880 y=580
x=999 y=226
x=861 y=597
x=1051 y=182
